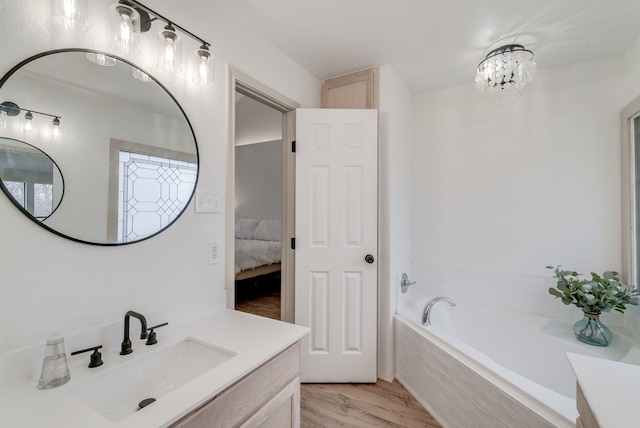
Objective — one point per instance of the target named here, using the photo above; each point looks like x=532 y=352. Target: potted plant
x=599 y=294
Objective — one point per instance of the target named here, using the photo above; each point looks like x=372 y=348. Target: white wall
x=259 y=180
x=516 y=187
x=49 y=283
x=394 y=251
x=256 y=122
x=512 y=188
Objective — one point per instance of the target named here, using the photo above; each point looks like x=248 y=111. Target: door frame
x=248 y=86
x=629 y=222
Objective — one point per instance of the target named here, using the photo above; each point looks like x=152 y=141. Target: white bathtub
x=479 y=368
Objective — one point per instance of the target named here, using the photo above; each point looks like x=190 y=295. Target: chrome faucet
x=426 y=312
x=125 y=348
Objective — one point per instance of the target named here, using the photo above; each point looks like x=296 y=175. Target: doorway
x=258 y=207
x=251 y=95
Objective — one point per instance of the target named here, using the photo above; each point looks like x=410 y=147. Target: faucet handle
x=96 y=358
x=151 y=338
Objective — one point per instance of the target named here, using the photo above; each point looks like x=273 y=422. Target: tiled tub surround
x=253 y=340
x=489 y=363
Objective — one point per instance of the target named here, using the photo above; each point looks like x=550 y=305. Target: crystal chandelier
x=506 y=69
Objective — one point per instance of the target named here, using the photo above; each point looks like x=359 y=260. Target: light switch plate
x=208 y=201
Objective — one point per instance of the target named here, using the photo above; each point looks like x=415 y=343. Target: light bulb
x=125 y=28
x=28 y=123
x=203 y=71
x=169 y=50
x=55 y=129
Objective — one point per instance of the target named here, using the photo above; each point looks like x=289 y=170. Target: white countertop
x=254 y=339
x=611 y=389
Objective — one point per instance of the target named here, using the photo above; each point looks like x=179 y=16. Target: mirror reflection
x=126 y=148
x=30 y=177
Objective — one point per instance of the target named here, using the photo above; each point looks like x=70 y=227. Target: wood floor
x=266 y=305
x=381 y=404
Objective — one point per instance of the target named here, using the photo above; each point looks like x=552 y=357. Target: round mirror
x=30 y=178
x=126 y=148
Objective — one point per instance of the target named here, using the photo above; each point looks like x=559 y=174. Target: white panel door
x=336 y=243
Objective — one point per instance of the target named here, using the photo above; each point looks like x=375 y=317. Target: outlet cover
x=213 y=252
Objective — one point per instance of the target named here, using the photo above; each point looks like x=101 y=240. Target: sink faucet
x=426 y=312
x=126 y=343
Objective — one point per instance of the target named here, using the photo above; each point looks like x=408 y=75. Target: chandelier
x=506 y=69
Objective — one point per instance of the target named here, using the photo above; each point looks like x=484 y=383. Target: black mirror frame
x=21 y=64
x=10 y=196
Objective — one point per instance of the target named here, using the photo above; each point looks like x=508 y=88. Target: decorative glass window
x=18 y=190
x=152 y=192
x=42 y=200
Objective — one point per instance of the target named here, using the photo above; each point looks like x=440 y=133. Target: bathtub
x=494 y=368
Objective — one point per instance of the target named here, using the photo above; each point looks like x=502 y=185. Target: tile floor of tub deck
x=382 y=404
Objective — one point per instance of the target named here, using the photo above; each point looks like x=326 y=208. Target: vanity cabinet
x=268 y=397
x=586 y=419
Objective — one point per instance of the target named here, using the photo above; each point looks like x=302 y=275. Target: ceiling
x=434 y=44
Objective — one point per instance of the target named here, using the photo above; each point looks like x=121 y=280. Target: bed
x=258 y=250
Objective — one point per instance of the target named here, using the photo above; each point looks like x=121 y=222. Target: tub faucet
x=125 y=348
x=426 y=312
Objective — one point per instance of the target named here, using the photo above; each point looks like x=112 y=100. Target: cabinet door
x=241 y=401
x=355 y=90
x=283 y=411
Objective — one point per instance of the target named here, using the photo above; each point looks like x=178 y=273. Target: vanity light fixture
x=203 y=71
x=131 y=18
x=11 y=109
x=27 y=125
x=55 y=130
x=506 y=69
x=169 y=49
x=69 y=15
x=125 y=28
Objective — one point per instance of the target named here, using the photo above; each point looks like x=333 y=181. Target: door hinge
x=293 y=243
x=293 y=146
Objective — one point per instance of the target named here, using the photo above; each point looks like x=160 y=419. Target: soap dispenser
x=55 y=371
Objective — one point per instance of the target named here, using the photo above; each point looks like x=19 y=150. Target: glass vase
x=591 y=330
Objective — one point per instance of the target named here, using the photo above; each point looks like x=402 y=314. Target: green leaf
x=555 y=292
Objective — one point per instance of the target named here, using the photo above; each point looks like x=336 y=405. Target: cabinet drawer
x=239 y=402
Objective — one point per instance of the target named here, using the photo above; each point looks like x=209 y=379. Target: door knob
x=369 y=258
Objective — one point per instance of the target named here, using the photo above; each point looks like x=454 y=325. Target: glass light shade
x=203 y=71
x=56 y=132
x=125 y=28
x=101 y=59
x=69 y=15
x=141 y=75
x=169 y=50
x=3 y=120
x=27 y=124
x=505 y=70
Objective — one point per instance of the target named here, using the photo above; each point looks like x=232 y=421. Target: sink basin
x=118 y=393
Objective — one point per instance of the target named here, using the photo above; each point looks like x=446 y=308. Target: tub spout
x=426 y=312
